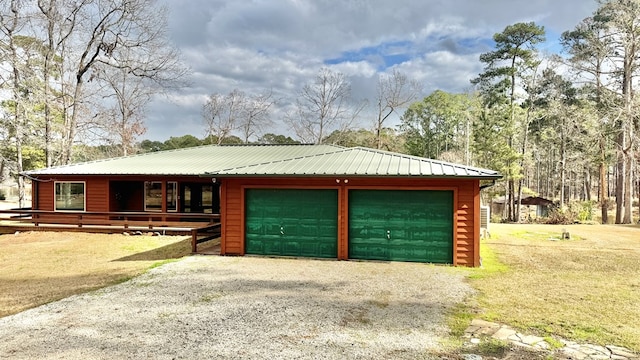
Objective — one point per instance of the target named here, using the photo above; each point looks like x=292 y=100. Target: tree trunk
x=70 y=126
x=47 y=118
x=587 y=184
x=620 y=185
x=18 y=115
x=563 y=170
x=379 y=132
x=46 y=73
x=604 y=189
x=19 y=161
x=628 y=189
x=523 y=151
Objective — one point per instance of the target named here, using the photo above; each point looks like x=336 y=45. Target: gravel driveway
x=205 y=307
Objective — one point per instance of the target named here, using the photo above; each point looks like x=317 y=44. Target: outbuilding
x=288 y=200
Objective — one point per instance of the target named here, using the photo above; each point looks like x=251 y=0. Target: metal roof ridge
x=270 y=145
x=98 y=161
x=155 y=153
x=422 y=159
x=339 y=149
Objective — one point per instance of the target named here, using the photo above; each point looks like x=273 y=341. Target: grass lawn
x=586 y=289
x=40 y=267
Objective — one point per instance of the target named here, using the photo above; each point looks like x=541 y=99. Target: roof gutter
x=493 y=182
x=210 y=175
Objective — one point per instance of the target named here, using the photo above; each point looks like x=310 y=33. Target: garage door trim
x=345 y=231
x=243 y=209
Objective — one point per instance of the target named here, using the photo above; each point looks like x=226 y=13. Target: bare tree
x=58 y=18
x=221 y=114
x=122 y=121
x=323 y=106
x=254 y=117
x=128 y=35
x=224 y=114
x=394 y=91
x=11 y=21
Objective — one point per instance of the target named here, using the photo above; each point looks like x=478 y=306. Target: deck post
x=194 y=240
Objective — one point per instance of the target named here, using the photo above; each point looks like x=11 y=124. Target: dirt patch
x=40 y=267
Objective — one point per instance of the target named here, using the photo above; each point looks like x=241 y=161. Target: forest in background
x=77 y=76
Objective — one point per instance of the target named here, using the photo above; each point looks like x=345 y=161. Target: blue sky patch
x=383 y=56
x=388 y=54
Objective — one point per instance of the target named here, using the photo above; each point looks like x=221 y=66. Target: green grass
x=553 y=342
x=162 y=262
x=490 y=265
x=41 y=267
x=585 y=289
x=459 y=317
x=493 y=347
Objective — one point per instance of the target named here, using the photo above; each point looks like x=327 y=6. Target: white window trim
x=55 y=200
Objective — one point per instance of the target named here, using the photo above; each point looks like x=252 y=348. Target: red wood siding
x=467 y=229
x=231 y=209
x=45 y=196
x=100 y=192
x=96 y=196
x=97 y=192
x=466 y=204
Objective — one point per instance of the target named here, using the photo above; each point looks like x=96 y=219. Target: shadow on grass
x=25 y=293
x=171 y=251
x=174 y=251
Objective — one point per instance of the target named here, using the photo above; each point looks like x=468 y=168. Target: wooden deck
x=201 y=227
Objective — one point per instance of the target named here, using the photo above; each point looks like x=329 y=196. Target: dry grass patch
x=585 y=289
x=40 y=267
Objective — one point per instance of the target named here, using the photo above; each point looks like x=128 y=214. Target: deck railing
x=201 y=226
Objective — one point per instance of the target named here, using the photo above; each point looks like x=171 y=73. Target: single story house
x=289 y=200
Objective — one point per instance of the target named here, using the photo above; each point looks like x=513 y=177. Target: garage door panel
x=272 y=247
x=291 y=222
x=398 y=252
x=370 y=250
x=401 y=225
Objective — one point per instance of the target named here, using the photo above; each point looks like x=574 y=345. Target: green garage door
x=291 y=222
x=401 y=225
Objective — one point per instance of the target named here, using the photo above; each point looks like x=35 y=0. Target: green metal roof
x=357 y=161
x=189 y=161
x=271 y=160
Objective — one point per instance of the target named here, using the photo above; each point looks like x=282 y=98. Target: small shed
x=541 y=205
x=291 y=200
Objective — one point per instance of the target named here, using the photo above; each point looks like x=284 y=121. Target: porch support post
x=194 y=241
x=164 y=199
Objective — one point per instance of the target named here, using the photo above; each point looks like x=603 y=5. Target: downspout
x=486 y=186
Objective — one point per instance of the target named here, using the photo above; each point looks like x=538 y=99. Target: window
x=70 y=196
x=172 y=196
x=153 y=196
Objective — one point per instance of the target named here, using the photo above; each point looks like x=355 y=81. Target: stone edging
x=570 y=350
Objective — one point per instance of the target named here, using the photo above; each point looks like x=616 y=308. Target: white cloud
x=280 y=45
x=359 y=68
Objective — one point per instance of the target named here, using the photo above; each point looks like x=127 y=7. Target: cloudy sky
x=258 y=45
